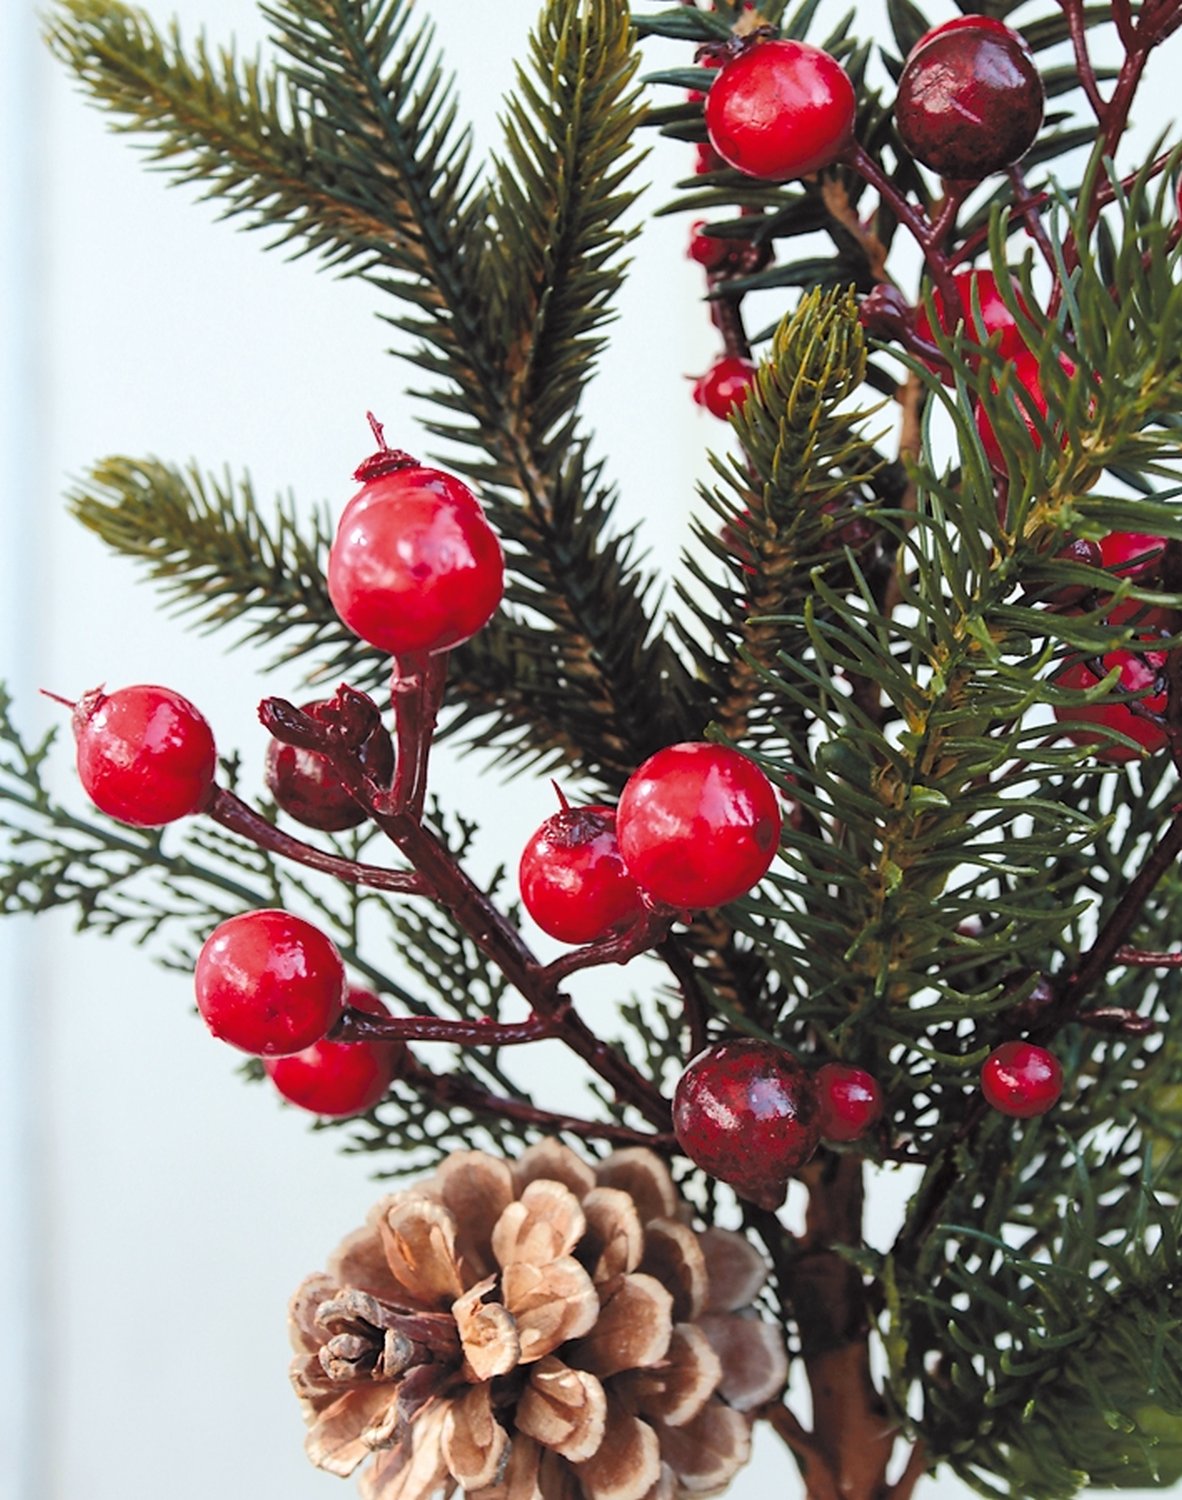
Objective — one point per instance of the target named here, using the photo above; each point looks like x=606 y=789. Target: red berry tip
x=386 y=460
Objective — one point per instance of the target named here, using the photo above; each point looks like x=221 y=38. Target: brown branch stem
x=232 y=813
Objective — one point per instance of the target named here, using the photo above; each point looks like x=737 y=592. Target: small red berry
x=972 y=23
x=269 y=983
x=307 y=788
x=707 y=249
x=339 y=1079
x=145 y=755
x=781 y=109
x=995 y=316
x=970 y=100
x=1021 y=1079
x=746 y=1112
x=574 y=882
x=706 y=159
x=724 y=385
x=1142 y=677
x=849 y=1101
x=415 y=566
x=698 y=825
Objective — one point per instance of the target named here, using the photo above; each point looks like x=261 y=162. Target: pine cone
x=537 y=1330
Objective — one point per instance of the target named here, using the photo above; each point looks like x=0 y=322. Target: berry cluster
x=751 y=1113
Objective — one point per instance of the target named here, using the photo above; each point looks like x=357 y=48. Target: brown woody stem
x=363 y=1026
x=232 y=813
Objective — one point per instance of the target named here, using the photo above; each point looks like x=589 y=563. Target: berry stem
x=617 y=949
x=917 y=223
x=363 y=1026
x=1142 y=958
x=232 y=813
x=1027 y=206
x=416 y=691
x=451 y=1090
x=1073 y=13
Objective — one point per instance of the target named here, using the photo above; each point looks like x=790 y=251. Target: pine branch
x=786 y=506
x=260 y=139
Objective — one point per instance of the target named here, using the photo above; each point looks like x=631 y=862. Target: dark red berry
x=415 y=566
x=145 y=754
x=1143 y=677
x=849 y=1101
x=1021 y=1079
x=305 y=785
x=339 y=1079
x=698 y=825
x=970 y=100
x=269 y=983
x=972 y=23
x=781 y=109
x=995 y=316
x=724 y=385
x=746 y=1112
x=574 y=882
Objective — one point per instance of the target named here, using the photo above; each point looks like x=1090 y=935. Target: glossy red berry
x=1021 y=1079
x=849 y=1101
x=698 y=825
x=415 y=566
x=781 y=109
x=574 y=882
x=970 y=100
x=339 y=1079
x=144 y=754
x=724 y=385
x=307 y=788
x=269 y=983
x=746 y=1112
x=1132 y=554
x=995 y=316
x=1032 y=402
x=1143 y=680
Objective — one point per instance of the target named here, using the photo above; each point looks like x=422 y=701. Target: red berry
x=995 y=315
x=849 y=1101
x=698 y=825
x=1031 y=399
x=707 y=249
x=1143 y=676
x=415 y=566
x=1021 y=1079
x=269 y=983
x=970 y=100
x=724 y=385
x=1131 y=554
x=781 y=109
x=145 y=754
x=746 y=1112
x=574 y=882
x=339 y=1078
x=307 y=788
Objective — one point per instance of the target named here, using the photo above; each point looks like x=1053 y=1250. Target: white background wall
x=155 y=1213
